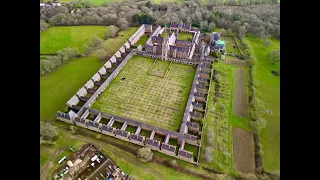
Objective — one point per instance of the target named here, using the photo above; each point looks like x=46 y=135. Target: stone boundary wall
x=96 y=77
x=189 y=107
x=64 y=117
x=205 y=114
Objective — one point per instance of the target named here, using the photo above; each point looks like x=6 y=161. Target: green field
x=58 y=86
x=269 y=92
x=185 y=36
x=59 y=37
x=112 y=45
x=151 y=99
x=142 y=41
x=222 y=158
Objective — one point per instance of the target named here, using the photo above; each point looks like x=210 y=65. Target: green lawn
x=128 y=162
x=151 y=99
x=59 y=37
x=185 y=36
x=58 y=86
x=269 y=92
x=222 y=158
x=142 y=41
x=112 y=45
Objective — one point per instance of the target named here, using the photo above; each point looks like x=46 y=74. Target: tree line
x=260 y=20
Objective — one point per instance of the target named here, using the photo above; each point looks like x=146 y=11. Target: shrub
x=98 y=136
x=208 y=154
x=145 y=154
x=173 y=163
x=258 y=124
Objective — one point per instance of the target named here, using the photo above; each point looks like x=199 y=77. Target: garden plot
x=150 y=99
x=217 y=143
x=231 y=46
x=236 y=62
x=159 y=69
x=185 y=36
x=240 y=93
x=243 y=151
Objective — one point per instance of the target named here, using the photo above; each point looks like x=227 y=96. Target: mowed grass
x=59 y=37
x=58 y=86
x=150 y=99
x=185 y=36
x=269 y=92
x=142 y=41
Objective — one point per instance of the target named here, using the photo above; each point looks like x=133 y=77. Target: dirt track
x=243 y=151
x=236 y=62
x=240 y=93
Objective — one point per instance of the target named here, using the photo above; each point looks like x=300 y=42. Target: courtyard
x=151 y=99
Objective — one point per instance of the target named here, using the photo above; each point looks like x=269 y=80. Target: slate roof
x=198 y=94
x=79 y=120
x=153 y=142
x=121 y=133
x=93 y=124
x=107 y=128
x=200 y=86
x=136 y=137
x=179 y=49
x=191 y=124
x=190 y=137
x=184 y=153
x=200 y=105
x=168 y=147
x=202 y=79
x=194 y=114
x=188 y=43
x=174 y=25
x=215 y=36
x=156 y=38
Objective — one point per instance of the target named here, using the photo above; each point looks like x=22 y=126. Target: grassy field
x=58 y=86
x=269 y=92
x=59 y=37
x=151 y=99
x=231 y=46
x=142 y=41
x=112 y=45
x=128 y=162
x=222 y=142
x=185 y=36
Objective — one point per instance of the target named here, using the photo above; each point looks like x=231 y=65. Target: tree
x=47 y=131
x=122 y=23
x=258 y=124
x=274 y=56
x=110 y=32
x=95 y=41
x=101 y=54
x=43 y=25
x=208 y=154
x=145 y=154
x=266 y=42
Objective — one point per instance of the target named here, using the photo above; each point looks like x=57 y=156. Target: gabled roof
x=168 y=147
x=179 y=49
x=185 y=153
